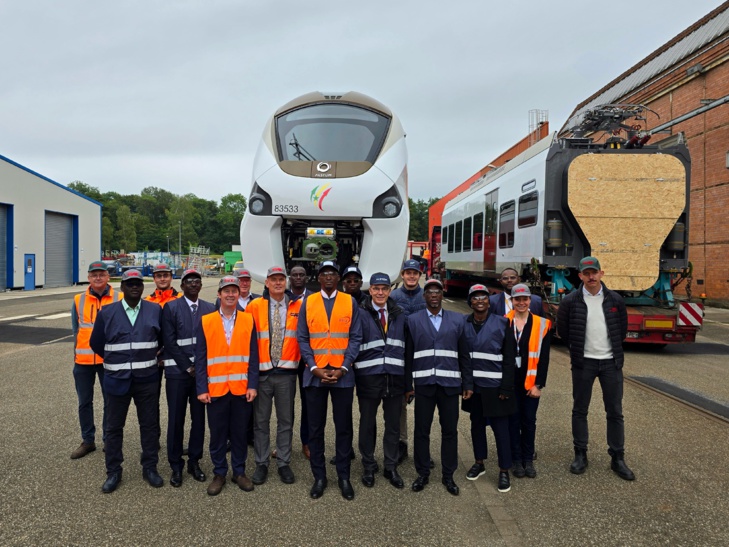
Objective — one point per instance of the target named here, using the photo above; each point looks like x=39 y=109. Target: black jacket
x=572 y=324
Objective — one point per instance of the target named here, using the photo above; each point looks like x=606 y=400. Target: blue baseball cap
x=380 y=279
x=328 y=264
x=411 y=265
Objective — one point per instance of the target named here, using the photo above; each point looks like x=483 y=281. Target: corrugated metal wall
x=59 y=250
x=3 y=247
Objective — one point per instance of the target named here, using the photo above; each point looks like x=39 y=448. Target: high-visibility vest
x=435 y=353
x=329 y=338
x=162 y=297
x=87 y=308
x=540 y=328
x=486 y=348
x=290 y=354
x=131 y=350
x=227 y=365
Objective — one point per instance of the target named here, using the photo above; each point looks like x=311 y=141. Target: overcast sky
x=175 y=94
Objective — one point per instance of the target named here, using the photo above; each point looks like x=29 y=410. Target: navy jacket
x=497 y=304
x=178 y=334
x=410 y=301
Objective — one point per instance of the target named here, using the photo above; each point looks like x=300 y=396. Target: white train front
x=329 y=183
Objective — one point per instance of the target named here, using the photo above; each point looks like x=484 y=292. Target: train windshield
x=331 y=132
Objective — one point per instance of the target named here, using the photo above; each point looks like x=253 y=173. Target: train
x=330 y=182
x=622 y=200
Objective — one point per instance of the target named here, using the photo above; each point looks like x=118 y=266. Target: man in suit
x=500 y=303
x=179 y=319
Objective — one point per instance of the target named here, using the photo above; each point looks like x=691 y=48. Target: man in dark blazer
x=500 y=303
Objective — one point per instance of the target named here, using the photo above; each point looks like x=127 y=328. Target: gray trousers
x=404 y=422
x=279 y=389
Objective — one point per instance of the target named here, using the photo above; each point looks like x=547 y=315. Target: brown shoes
x=216 y=486
x=305 y=451
x=83 y=450
x=243 y=482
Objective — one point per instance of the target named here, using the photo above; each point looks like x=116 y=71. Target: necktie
x=193 y=307
x=277 y=338
x=383 y=320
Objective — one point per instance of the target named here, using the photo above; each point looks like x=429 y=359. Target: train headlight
x=391 y=207
x=256 y=206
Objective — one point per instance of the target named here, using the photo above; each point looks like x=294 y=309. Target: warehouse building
x=686 y=82
x=48 y=233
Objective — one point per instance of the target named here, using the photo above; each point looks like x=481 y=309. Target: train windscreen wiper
x=300 y=153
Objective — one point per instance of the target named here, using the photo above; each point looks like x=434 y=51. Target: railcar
x=329 y=182
x=622 y=201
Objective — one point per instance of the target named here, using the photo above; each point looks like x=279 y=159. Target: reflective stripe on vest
x=173 y=363
x=130 y=346
x=489 y=356
x=435 y=353
x=290 y=354
x=137 y=365
x=187 y=342
x=379 y=361
x=436 y=372
x=227 y=365
x=329 y=338
x=487 y=374
x=540 y=328
x=87 y=308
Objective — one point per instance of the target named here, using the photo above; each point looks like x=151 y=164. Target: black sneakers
x=504 y=482
x=477 y=469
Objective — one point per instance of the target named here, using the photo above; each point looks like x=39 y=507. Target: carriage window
x=459 y=235
x=467 y=234
x=451 y=239
x=506 y=224
x=444 y=236
x=528 y=209
x=331 y=132
x=478 y=232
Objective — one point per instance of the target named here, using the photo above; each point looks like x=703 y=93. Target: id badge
x=518 y=361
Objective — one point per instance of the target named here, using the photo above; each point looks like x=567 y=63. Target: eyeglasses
x=193 y=281
x=433 y=291
x=379 y=289
x=479 y=298
x=328 y=274
x=99 y=275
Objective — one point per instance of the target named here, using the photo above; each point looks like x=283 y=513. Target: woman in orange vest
x=533 y=335
x=226 y=374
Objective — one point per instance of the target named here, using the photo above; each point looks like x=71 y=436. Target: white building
x=48 y=233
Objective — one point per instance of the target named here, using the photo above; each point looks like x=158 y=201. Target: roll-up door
x=59 y=250
x=3 y=247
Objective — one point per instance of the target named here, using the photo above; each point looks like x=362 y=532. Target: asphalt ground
x=679 y=457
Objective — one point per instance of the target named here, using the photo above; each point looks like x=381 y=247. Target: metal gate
x=59 y=250
x=3 y=247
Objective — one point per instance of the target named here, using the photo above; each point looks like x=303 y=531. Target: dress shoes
x=176 y=479
x=394 y=478
x=518 y=470
x=260 y=475
x=620 y=468
x=216 y=485
x=368 y=478
x=579 y=464
x=504 y=482
x=243 y=482
x=529 y=470
x=196 y=472
x=346 y=488
x=317 y=489
x=111 y=483
x=152 y=477
x=287 y=476
x=419 y=483
x=451 y=486
x=305 y=451
x=83 y=450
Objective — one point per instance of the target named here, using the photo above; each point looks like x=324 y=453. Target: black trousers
x=391 y=408
x=181 y=392
x=427 y=399
x=304 y=427
x=611 y=383
x=146 y=399
x=317 y=402
x=228 y=418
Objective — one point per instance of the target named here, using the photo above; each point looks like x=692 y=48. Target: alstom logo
x=319 y=193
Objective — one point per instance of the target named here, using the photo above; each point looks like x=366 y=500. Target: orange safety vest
x=162 y=297
x=540 y=328
x=329 y=338
x=227 y=364
x=290 y=354
x=87 y=308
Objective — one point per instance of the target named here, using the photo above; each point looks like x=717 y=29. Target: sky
x=175 y=94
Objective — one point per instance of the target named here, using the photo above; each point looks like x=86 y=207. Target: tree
x=88 y=191
x=126 y=233
x=419 y=218
x=107 y=234
x=232 y=209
